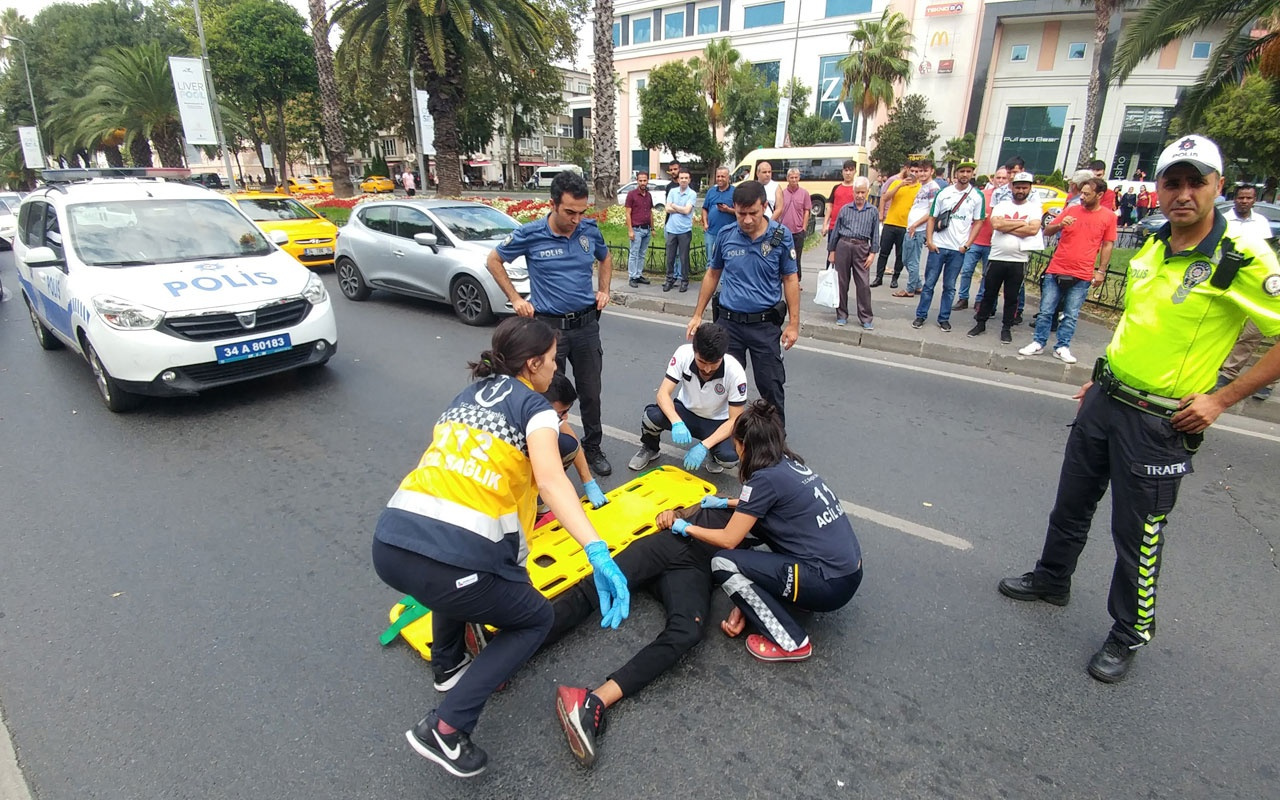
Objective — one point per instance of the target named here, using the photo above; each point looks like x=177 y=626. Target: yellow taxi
x=323 y=185
x=302 y=186
x=377 y=183
x=312 y=238
x=1052 y=200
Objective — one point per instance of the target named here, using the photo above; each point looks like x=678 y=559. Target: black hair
x=561 y=390
x=516 y=340
x=1016 y=163
x=1245 y=186
x=763 y=438
x=710 y=341
x=748 y=193
x=1098 y=184
x=570 y=183
x=1097 y=163
x=849 y=163
x=673 y=163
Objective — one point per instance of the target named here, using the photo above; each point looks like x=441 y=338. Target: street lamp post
x=30 y=92
x=1066 y=156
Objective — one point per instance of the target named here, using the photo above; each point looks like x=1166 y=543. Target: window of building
x=673 y=25
x=769 y=70
x=830 y=82
x=708 y=20
x=1035 y=133
x=584 y=87
x=1075 y=51
x=388 y=148
x=1200 y=50
x=617 y=34
x=641 y=83
x=1019 y=53
x=844 y=8
x=1142 y=136
x=640 y=30
x=640 y=161
x=762 y=15
x=565 y=132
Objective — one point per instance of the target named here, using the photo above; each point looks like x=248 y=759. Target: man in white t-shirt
x=1242 y=220
x=1014 y=223
x=701 y=396
x=772 y=190
x=949 y=233
x=410 y=186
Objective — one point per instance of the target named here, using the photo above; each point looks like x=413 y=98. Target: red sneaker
x=765 y=650
x=581 y=715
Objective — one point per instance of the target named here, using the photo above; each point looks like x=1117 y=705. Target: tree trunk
x=1092 y=112
x=335 y=141
x=169 y=146
x=604 y=136
x=140 y=151
x=113 y=156
x=282 y=175
x=445 y=96
x=515 y=154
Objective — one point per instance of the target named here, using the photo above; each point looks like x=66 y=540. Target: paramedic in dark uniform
x=560 y=251
x=1143 y=416
x=754 y=267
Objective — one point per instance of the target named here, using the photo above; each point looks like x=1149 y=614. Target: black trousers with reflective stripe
x=1143 y=459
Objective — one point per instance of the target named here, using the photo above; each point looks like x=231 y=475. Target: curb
x=997 y=361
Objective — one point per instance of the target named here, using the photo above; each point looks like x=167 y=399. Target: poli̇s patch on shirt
x=1197 y=273
x=1271 y=285
x=586 y=244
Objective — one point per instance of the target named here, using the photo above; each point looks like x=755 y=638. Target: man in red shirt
x=1099 y=168
x=841 y=193
x=639 y=210
x=1084 y=251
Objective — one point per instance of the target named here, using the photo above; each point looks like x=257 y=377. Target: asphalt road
x=187 y=606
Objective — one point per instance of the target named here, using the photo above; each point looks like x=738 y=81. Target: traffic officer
x=1143 y=416
x=757 y=263
x=560 y=251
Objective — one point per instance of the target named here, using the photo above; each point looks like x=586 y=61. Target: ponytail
x=516 y=340
x=763 y=438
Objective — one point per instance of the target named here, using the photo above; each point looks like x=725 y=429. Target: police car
x=164 y=287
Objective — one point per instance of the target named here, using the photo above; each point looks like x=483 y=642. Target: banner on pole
x=784 y=116
x=426 y=126
x=193 y=100
x=31 y=152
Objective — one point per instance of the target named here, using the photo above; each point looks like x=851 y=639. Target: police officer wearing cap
x=754 y=266
x=1143 y=416
x=560 y=251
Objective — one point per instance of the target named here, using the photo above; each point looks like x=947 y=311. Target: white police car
x=165 y=288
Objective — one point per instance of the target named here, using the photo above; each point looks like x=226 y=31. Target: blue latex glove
x=696 y=455
x=681 y=527
x=680 y=433
x=714 y=501
x=611 y=584
x=594 y=495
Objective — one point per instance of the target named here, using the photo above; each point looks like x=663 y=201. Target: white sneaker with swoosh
x=453 y=751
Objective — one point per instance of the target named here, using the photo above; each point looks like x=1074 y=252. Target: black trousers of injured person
x=457 y=596
x=767 y=585
x=581 y=348
x=678 y=572
x=763 y=340
x=1143 y=459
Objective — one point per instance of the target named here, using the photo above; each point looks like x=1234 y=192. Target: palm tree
x=443 y=36
x=1162 y=21
x=879 y=58
x=1103 y=11
x=132 y=88
x=604 y=136
x=712 y=70
x=335 y=140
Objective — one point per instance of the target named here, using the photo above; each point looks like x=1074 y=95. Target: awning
x=483 y=163
x=533 y=163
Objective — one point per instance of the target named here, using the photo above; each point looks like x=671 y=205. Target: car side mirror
x=279 y=237
x=427 y=240
x=44 y=257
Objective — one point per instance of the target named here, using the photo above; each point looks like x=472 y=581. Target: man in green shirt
x=1142 y=417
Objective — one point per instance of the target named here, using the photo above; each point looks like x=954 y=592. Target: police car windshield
x=274 y=209
x=161 y=231
x=475 y=223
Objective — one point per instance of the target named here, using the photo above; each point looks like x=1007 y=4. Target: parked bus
x=820 y=167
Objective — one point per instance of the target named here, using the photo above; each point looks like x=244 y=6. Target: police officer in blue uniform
x=560 y=251
x=754 y=266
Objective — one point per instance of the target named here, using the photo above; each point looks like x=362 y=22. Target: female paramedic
x=452 y=536
x=815 y=561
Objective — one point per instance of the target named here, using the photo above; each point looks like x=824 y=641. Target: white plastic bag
x=828 y=293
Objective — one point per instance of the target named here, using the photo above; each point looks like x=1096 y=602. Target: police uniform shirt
x=708 y=399
x=472 y=494
x=752 y=269
x=801 y=517
x=1177 y=328
x=560 y=267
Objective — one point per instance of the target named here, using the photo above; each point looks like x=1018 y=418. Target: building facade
x=1014 y=72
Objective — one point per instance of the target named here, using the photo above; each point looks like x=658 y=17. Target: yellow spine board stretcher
x=556 y=562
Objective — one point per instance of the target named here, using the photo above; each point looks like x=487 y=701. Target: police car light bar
x=84 y=174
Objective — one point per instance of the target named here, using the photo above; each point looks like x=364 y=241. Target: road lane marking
x=881 y=361
x=853 y=509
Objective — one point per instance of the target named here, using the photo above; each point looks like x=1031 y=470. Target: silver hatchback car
x=434 y=249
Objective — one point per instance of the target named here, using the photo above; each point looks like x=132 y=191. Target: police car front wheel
x=115 y=398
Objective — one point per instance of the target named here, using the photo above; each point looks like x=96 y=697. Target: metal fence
x=655 y=260
x=1110 y=295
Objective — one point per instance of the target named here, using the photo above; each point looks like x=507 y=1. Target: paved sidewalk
x=893 y=333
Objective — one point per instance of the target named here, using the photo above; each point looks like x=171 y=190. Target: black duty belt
x=1117 y=389
x=572 y=320
x=747 y=319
